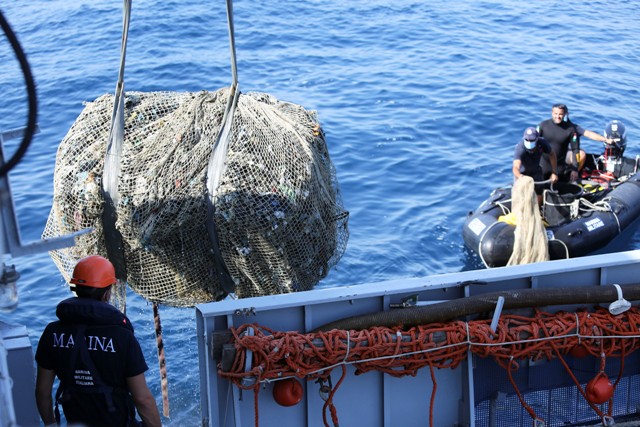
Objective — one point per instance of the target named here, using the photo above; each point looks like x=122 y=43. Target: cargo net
x=279 y=216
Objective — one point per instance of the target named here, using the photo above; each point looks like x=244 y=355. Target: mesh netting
x=530 y=242
x=279 y=216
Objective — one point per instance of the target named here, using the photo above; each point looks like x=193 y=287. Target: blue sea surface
x=422 y=103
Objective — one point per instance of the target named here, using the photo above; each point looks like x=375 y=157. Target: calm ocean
x=422 y=103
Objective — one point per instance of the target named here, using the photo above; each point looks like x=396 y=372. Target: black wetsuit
x=92 y=350
x=561 y=138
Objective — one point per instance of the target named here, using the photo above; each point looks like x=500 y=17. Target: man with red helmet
x=95 y=355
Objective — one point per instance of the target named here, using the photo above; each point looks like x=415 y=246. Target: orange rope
x=577 y=383
x=400 y=352
x=433 y=394
x=255 y=404
x=328 y=404
x=524 y=404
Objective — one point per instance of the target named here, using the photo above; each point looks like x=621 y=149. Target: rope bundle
x=397 y=352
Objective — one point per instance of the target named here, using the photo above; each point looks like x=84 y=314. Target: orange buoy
x=287 y=392
x=579 y=351
x=599 y=389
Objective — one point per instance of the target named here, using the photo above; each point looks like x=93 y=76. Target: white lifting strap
x=620 y=305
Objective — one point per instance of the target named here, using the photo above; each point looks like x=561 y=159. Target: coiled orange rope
x=399 y=352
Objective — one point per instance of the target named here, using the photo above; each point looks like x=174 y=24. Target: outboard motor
x=612 y=158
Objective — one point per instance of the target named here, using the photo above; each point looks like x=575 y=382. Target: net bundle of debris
x=278 y=212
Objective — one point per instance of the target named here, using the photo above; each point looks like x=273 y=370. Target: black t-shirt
x=113 y=349
x=530 y=161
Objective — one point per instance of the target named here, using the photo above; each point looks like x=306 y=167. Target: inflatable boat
x=594 y=215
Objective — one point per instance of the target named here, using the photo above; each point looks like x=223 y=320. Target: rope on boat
x=577 y=207
x=573 y=206
x=397 y=352
x=601 y=206
x=604 y=206
x=503 y=206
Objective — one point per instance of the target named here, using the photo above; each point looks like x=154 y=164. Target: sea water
x=422 y=103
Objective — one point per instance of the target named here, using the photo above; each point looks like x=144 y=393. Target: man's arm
x=144 y=401
x=554 y=166
x=516 y=168
x=44 y=401
x=594 y=136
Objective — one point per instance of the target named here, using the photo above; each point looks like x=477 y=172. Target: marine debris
x=279 y=216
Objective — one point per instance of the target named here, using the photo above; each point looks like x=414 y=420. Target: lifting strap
x=216 y=165
x=112 y=237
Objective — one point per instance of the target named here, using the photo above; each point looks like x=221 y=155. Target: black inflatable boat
x=593 y=215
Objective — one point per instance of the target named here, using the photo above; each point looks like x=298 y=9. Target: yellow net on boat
x=278 y=213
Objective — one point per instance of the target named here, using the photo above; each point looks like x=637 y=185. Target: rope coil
x=399 y=352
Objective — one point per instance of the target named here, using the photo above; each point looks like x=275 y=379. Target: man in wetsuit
x=94 y=353
x=564 y=137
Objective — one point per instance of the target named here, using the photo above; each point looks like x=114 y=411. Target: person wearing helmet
x=94 y=353
x=527 y=155
x=564 y=137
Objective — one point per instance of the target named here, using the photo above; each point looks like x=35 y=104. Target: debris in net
x=279 y=215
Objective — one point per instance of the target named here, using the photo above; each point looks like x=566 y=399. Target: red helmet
x=94 y=271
